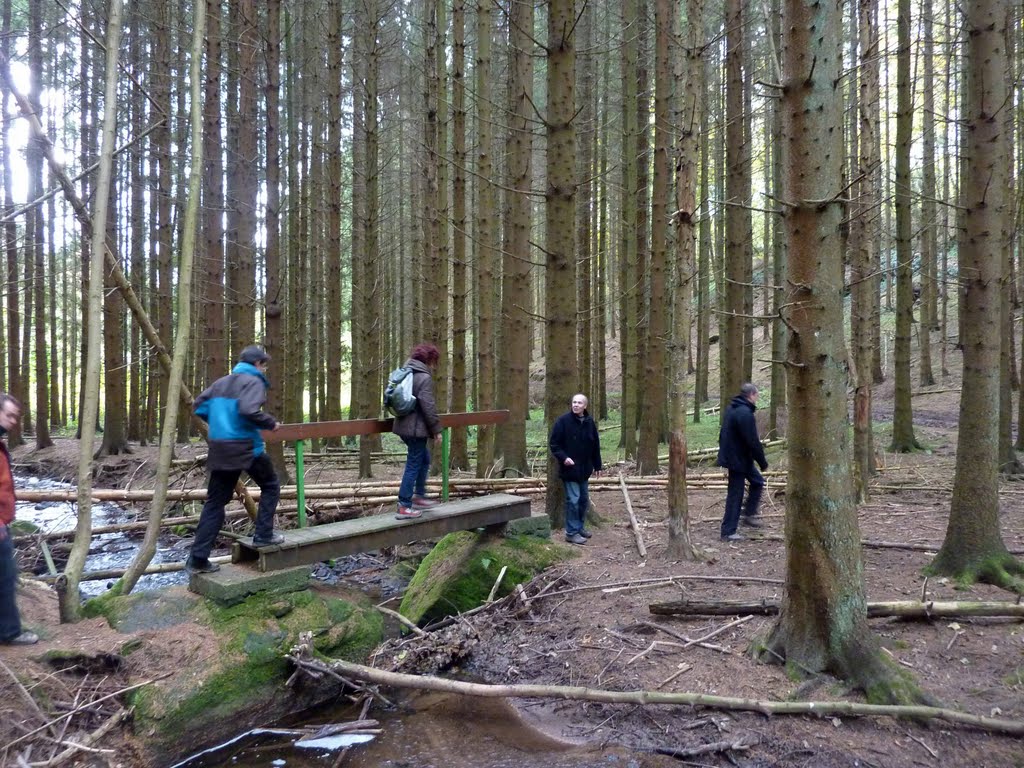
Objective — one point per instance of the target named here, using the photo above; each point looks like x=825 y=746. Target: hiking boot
x=407 y=513
x=586 y=534
x=733 y=537
x=422 y=502
x=576 y=539
x=25 y=638
x=750 y=521
x=200 y=566
x=273 y=540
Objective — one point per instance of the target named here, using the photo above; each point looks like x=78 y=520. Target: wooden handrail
x=354 y=427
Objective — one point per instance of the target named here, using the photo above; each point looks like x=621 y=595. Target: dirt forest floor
x=585 y=634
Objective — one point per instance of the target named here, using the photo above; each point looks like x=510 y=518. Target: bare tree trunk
x=823 y=623
x=212 y=345
x=459 y=448
x=513 y=384
x=486 y=231
x=559 y=234
x=629 y=289
x=182 y=336
x=973 y=549
x=929 y=223
x=680 y=543
x=274 y=338
x=863 y=258
x=70 y=603
x=654 y=408
x=35 y=228
x=903 y=440
x=737 y=190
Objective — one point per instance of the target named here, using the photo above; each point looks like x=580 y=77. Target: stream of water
x=429 y=730
x=108 y=550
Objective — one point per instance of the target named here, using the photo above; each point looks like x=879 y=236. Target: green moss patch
x=246 y=680
x=460 y=571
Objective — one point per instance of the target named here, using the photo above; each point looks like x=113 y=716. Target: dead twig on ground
x=402 y=620
x=744 y=742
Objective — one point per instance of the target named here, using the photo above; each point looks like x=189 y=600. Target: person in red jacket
x=11 y=632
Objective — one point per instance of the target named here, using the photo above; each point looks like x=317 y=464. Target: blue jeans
x=734 y=498
x=577 y=502
x=10 y=621
x=417 y=465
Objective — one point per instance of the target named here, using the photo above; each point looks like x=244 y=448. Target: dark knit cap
x=253 y=354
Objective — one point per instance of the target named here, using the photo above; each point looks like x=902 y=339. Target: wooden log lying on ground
x=908 y=609
x=352 y=671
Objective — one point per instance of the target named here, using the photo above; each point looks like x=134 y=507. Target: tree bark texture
x=823 y=624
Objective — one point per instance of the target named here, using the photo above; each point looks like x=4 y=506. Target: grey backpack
x=398 y=396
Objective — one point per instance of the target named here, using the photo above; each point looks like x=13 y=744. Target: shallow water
x=429 y=730
x=109 y=550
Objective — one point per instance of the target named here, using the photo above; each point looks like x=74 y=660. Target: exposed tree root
x=860 y=661
x=1002 y=570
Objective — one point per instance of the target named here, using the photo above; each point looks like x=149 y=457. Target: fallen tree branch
x=622 y=586
x=907 y=609
x=641 y=547
x=642 y=697
x=744 y=742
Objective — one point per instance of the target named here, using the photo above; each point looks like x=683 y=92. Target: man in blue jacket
x=233 y=408
x=577 y=448
x=738 y=448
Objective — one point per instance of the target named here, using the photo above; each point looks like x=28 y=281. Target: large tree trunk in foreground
x=823 y=624
x=974 y=549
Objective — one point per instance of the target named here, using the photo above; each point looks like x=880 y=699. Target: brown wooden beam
x=354 y=427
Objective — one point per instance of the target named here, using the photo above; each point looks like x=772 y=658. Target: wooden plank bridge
x=253 y=569
x=304 y=546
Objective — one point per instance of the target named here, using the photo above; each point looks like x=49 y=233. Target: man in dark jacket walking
x=738 y=448
x=577 y=448
x=233 y=408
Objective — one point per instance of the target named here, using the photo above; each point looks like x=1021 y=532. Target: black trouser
x=219 y=492
x=734 y=498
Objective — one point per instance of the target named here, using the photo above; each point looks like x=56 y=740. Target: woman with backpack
x=416 y=428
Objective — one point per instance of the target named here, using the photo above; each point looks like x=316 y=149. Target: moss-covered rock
x=237 y=681
x=460 y=571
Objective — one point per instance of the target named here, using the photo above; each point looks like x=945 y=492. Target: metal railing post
x=300 y=482
x=445 y=433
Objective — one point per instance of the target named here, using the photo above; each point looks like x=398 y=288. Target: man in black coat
x=577 y=449
x=739 y=448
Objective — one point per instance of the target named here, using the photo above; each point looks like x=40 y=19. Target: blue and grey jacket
x=233 y=408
